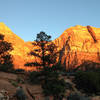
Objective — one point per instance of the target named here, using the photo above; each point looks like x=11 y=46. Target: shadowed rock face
x=75 y=45
x=92 y=33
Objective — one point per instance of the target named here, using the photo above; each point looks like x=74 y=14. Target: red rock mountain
x=76 y=44
x=79 y=44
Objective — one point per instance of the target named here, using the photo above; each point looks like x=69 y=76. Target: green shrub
x=77 y=96
x=19 y=71
x=20 y=80
x=14 y=83
x=6 y=67
x=88 y=81
x=34 y=77
x=54 y=87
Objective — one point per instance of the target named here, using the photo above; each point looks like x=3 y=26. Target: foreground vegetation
x=51 y=75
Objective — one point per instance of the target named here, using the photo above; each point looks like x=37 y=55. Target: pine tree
x=46 y=51
x=6 y=63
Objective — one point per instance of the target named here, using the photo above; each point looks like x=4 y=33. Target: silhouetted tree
x=45 y=50
x=6 y=63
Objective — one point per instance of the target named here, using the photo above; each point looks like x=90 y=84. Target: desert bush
x=88 y=81
x=34 y=77
x=20 y=80
x=77 y=96
x=6 y=67
x=14 y=83
x=54 y=87
x=19 y=71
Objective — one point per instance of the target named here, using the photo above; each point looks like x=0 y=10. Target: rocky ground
x=8 y=82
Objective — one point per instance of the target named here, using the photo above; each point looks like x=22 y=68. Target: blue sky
x=26 y=18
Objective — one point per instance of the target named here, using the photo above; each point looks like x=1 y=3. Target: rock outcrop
x=76 y=45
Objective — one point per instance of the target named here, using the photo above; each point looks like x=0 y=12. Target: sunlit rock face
x=76 y=45
x=79 y=44
x=21 y=49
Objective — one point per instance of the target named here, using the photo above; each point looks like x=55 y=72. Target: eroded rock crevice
x=92 y=33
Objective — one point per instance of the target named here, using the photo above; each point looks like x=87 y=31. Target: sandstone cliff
x=21 y=49
x=75 y=45
x=79 y=44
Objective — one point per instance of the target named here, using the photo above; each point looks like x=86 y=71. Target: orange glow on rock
x=74 y=42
